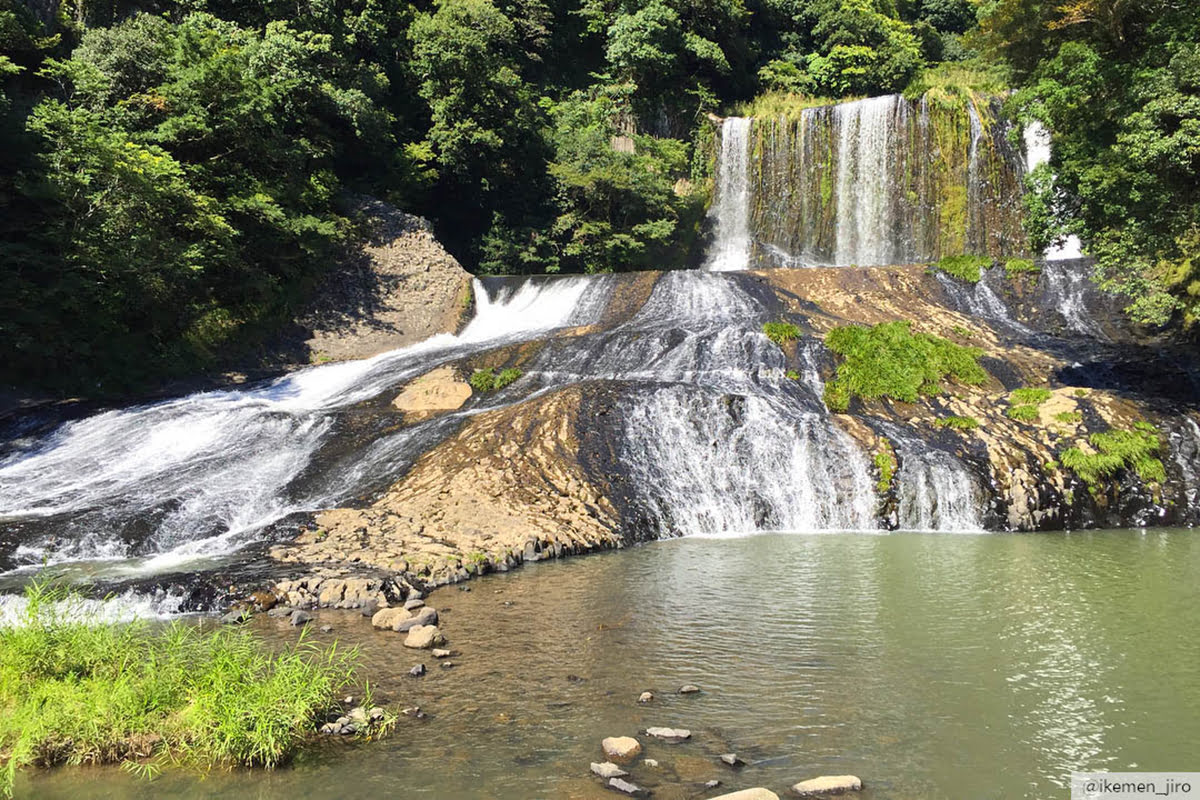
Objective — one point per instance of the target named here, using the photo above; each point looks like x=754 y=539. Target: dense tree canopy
x=174 y=174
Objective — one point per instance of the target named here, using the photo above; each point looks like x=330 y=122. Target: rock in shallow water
x=418 y=670
x=828 y=784
x=732 y=760
x=688 y=688
x=301 y=618
x=423 y=637
x=607 y=770
x=645 y=697
x=757 y=793
x=621 y=749
x=631 y=789
x=438 y=653
x=670 y=734
x=386 y=618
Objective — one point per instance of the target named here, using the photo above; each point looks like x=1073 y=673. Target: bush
x=957 y=423
x=1117 y=450
x=78 y=693
x=885 y=463
x=781 y=332
x=1017 y=266
x=964 y=267
x=889 y=360
x=506 y=377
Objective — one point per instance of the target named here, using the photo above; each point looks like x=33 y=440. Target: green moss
x=1069 y=416
x=1080 y=393
x=961 y=332
x=964 y=267
x=792 y=374
x=1018 y=266
x=885 y=465
x=1023 y=413
x=506 y=377
x=781 y=332
x=957 y=423
x=1030 y=396
x=889 y=360
x=1116 y=450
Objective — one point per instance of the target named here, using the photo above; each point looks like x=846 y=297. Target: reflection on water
x=933 y=666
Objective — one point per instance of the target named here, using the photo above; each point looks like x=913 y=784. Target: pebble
x=326 y=628
x=414 y=712
x=439 y=653
x=607 y=769
x=732 y=760
x=828 y=784
x=650 y=762
x=417 y=671
x=645 y=697
x=712 y=784
x=447 y=664
x=688 y=688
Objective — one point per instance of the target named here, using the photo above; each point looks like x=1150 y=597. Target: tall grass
x=74 y=693
x=772 y=105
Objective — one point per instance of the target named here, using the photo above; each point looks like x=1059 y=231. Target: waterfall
x=1067 y=286
x=876 y=181
x=937 y=493
x=1185 y=449
x=1037 y=152
x=731 y=204
x=201 y=475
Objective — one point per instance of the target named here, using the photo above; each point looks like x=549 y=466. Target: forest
x=178 y=174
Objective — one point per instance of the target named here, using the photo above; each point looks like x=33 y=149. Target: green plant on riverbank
x=1024 y=402
x=889 y=360
x=781 y=332
x=75 y=693
x=487 y=380
x=965 y=267
x=1136 y=449
x=885 y=465
x=1023 y=413
x=957 y=423
x=1019 y=266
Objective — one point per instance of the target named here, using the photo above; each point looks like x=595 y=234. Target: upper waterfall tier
x=878 y=181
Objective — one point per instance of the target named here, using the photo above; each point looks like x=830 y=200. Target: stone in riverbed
x=326 y=628
x=300 y=618
x=280 y=611
x=413 y=603
x=424 y=637
x=385 y=618
x=828 y=784
x=621 y=749
x=732 y=760
x=645 y=697
x=688 y=688
x=236 y=617
x=418 y=670
x=650 y=762
x=712 y=784
x=426 y=616
x=669 y=734
x=631 y=789
x=607 y=769
x=749 y=794
x=439 y=653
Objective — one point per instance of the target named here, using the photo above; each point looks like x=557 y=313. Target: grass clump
x=964 y=267
x=889 y=360
x=1019 y=266
x=1023 y=413
x=1070 y=417
x=885 y=465
x=1136 y=449
x=487 y=380
x=781 y=332
x=1030 y=396
x=957 y=423
x=772 y=105
x=792 y=375
x=74 y=693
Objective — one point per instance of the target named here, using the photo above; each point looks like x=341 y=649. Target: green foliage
x=781 y=332
x=889 y=360
x=792 y=375
x=87 y=693
x=958 y=81
x=885 y=465
x=1019 y=266
x=957 y=423
x=964 y=267
x=961 y=332
x=1023 y=413
x=1070 y=417
x=1030 y=395
x=1116 y=450
x=488 y=380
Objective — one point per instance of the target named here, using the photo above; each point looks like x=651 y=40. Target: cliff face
x=670 y=413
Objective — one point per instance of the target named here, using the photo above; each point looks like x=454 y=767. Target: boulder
x=426 y=616
x=413 y=603
x=828 y=784
x=607 y=769
x=386 y=618
x=645 y=697
x=670 y=734
x=423 y=637
x=757 y=793
x=621 y=749
x=300 y=618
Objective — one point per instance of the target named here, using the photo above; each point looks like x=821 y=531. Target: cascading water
x=936 y=490
x=1067 y=286
x=731 y=202
x=1037 y=152
x=881 y=181
x=201 y=475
